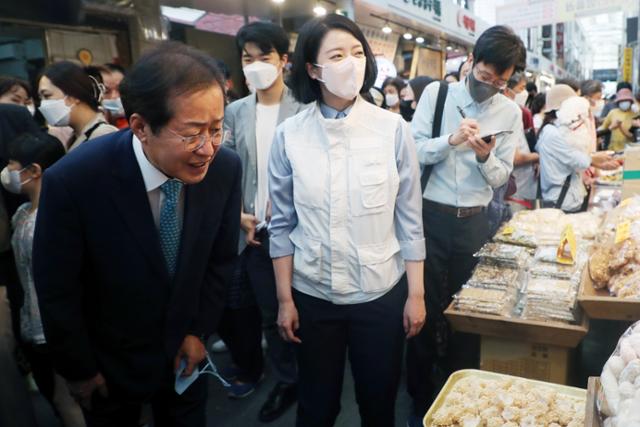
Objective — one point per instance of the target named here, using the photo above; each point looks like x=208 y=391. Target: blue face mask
x=183 y=383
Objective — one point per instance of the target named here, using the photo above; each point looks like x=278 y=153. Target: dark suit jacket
x=108 y=304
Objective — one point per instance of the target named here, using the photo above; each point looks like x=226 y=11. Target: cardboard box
x=531 y=331
x=534 y=361
x=631 y=174
x=592 y=417
x=599 y=304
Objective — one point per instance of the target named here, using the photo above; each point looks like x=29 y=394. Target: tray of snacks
x=473 y=398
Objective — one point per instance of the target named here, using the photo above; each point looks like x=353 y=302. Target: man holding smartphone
x=463 y=171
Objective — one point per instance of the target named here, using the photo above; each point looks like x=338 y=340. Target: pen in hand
x=464 y=116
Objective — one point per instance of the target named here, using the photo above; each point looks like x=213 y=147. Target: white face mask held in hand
x=391 y=99
x=182 y=383
x=344 y=79
x=261 y=75
x=55 y=111
x=11 y=180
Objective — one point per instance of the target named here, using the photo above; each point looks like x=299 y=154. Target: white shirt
x=266 y=122
x=153 y=179
x=526 y=182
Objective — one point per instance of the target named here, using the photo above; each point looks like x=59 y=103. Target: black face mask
x=480 y=91
x=406 y=111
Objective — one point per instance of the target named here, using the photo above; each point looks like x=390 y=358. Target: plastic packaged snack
x=490 y=276
x=618 y=399
x=503 y=255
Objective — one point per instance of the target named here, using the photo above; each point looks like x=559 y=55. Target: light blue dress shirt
x=458 y=178
x=407 y=215
x=558 y=160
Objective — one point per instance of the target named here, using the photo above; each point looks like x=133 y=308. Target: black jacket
x=107 y=301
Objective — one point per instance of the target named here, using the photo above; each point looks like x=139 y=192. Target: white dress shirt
x=153 y=179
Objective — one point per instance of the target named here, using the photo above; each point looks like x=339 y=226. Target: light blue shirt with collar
x=558 y=160
x=458 y=178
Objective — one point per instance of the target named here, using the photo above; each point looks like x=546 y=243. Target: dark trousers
x=372 y=334
x=42 y=369
x=169 y=409
x=259 y=267
x=240 y=327
x=434 y=353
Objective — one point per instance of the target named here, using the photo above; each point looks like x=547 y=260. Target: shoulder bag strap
x=436 y=129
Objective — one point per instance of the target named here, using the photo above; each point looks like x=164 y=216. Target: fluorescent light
x=407 y=36
x=419 y=39
x=278 y=1
x=386 y=29
x=456 y=50
x=182 y=15
x=449 y=48
x=319 y=11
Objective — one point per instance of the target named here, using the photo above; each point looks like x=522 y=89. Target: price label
x=508 y=230
x=622 y=231
x=567 y=249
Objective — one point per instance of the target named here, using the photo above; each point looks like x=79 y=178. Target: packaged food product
x=487 y=301
x=550 y=300
x=619 y=395
x=494 y=277
x=503 y=255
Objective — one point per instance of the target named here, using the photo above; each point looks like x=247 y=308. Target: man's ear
x=36 y=170
x=138 y=126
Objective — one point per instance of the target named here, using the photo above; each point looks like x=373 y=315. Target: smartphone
x=487 y=138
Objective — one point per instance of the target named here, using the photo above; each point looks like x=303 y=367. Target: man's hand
x=414 y=315
x=248 y=223
x=83 y=390
x=604 y=160
x=288 y=321
x=193 y=351
x=467 y=130
x=481 y=148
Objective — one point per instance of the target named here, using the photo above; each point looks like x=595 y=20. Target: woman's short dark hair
x=396 y=82
x=502 y=48
x=7 y=83
x=537 y=104
x=74 y=81
x=169 y=70
x=590 y=87
x=304 y=88
x=531 y=87
x=265 y=35
x=418 y=84
x=515 y=79
x=455 y=74
x=35 y=147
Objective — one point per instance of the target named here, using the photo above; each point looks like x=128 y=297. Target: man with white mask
x=250 y=123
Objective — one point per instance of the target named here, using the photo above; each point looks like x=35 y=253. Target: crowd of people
x=144 y=210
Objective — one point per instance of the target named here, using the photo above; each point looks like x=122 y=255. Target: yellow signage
x=627 y=64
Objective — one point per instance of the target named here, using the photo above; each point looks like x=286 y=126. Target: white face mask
x=261 y=75
x=624 y=105
x=114 y=107
x=344 y=79
x=11 y=180
x=597 y=109
x=391 y=99
x=55 y=111
x=521 y=98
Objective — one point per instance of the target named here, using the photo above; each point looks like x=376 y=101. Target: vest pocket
x=379 y=265
x=307 y=257
x=374 y=192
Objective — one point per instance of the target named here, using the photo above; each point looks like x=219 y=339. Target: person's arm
x=57 y=277
x=558 y=148
x=522 y=158
x=498 y=165
x=221 y=258
x=409 y=228
x=283 y=221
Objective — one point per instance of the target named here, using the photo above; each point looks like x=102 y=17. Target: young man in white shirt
x=464 y=171
x=250 y=123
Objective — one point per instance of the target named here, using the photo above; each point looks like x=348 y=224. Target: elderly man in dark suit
x=135 y=236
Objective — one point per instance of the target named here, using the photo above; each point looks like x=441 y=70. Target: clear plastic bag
x=619 y=395
x=503 y=255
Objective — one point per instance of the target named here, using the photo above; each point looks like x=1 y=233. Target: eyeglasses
x=196 y=142
x=487 y=78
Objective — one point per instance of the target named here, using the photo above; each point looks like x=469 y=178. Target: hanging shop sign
x=627 y=64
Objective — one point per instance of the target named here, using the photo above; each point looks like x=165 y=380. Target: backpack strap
x=436 y=129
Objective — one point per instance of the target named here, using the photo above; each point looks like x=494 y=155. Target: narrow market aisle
x=224 y=412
